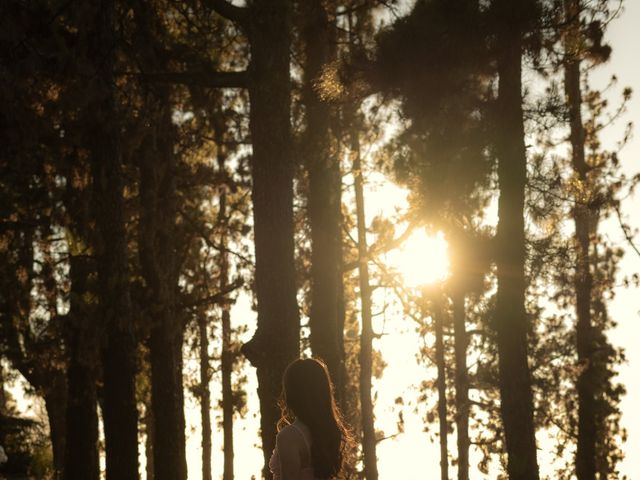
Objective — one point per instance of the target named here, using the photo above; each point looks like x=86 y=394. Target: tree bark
x=324 y=198
x=277 y=339
x=227 y=355
x=583 y=220
x=82 y=423
x=157 y=258
x=366 y=335
x=55 y=401
x=441 y=383
x=461 y=383
x=120 y=415
x=157 y=252
x=205 y=395
x=82 y=403
x=227 y=394
x=168 y=416
x=511 y=322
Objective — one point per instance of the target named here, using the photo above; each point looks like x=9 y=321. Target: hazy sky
x=624 y=37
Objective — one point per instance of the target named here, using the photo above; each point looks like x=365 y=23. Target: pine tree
x=322 y=159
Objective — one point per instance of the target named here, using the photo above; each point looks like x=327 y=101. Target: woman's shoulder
x=288 y=433
x=288 y=442
x=293 y=434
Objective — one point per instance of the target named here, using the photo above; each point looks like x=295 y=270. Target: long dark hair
x=307 y=394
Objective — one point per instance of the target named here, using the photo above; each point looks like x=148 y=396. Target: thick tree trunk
x=82 y=421
x=277 y=339
x=169 y=456
x=511 y=318
x=461 y=384
x=120 y=415
x=441 y=382
x=583 y=219
x=118 y=354
x=82 y=403
x=324 y=202
x=366 y=335
x=157 y=252
x=55 y=401
x=157 y=258
x=82 y=425
x=205 y=395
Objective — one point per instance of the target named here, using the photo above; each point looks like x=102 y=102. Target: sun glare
x=422 y=260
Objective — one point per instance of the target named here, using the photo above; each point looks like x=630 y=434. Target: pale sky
x=624 y=37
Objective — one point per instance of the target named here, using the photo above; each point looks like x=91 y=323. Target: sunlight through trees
x=431 y=196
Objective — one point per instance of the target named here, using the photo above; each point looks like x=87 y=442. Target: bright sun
x=423 y=259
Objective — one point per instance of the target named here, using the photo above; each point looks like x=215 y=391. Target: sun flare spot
x=422 y=260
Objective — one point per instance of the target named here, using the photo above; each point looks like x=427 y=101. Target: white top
x=291 y=459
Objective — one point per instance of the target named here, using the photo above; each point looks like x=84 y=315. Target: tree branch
x=204 y=235
x=219 y=297
x=200 y=79
x=625 y=230
x=381 y=247
x=231 y=12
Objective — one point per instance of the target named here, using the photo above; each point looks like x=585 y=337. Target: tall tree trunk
x=157 y=252
x=227 y=393
x=120 y=415
x=205 y=394
x=438 y=320
x=157 y=258
x=55 y=401
x=82 y=403
x=461 y=383
x=277 y=339
x=325 y=189
x=82 y=422
x=583 y=218
x=511 y=318
x=167 y=397
x=226 y=366
x=366 y=335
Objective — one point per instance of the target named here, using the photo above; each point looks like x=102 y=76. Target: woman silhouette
x=312 y=437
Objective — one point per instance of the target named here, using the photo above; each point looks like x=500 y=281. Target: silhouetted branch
x=231 y=12
x=219 y=297
x=204 y=235
x=382 y=247
x=200 y=79
x=389 y=437
x=625 y=230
